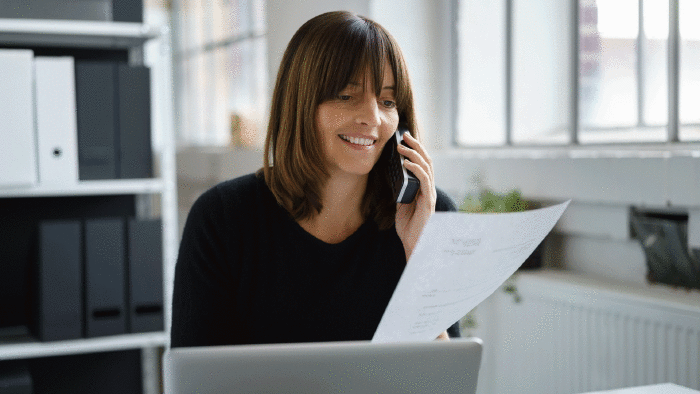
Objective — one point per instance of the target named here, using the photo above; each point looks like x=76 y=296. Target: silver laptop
x=330 y=367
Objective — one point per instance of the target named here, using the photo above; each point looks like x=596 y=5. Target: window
x=220 y=77
x=689 y=73
x=549 y=72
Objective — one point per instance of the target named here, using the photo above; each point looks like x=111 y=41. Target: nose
x=368 y=112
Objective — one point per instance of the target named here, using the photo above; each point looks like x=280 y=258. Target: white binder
x=57 y=130
x=18 y=165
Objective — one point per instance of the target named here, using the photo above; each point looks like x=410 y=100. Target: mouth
x=358 y=141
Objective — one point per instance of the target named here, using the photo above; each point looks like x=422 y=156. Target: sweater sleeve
x=203 y=277
x=444 y=203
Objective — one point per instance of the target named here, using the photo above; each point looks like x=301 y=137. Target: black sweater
x=247 y=273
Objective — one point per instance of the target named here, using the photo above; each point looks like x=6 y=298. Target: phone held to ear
x=404 y=184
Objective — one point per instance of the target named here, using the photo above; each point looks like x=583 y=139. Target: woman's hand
x=411 y=218
x=443 y=336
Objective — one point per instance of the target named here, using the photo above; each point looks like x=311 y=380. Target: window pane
x=236 y=17
x=481 y=96
x=190 y=101
x=222 y=87
x=247 y=98
x=608 y=73
x=615 y=74
x=689 y=70
x=655 y=64
x=541 y=71
x=190 y=19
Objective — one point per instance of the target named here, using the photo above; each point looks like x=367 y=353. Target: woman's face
x=355 y=126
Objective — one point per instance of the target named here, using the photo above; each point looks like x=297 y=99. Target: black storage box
x=664 y=239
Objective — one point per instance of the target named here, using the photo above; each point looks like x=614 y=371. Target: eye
x=344 y=97
x=389 y=103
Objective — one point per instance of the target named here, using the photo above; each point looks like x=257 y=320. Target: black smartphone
x=404 y=184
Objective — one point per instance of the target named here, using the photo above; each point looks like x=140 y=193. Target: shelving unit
x=90 y=188
x=131 y=37
x=42 y=32
x=25 y=346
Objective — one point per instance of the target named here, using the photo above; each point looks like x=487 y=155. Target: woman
x=311 y=247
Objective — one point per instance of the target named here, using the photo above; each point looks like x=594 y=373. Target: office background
x=597 y=101
x=506 y=104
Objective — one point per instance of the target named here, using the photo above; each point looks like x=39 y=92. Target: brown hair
x=323 y=57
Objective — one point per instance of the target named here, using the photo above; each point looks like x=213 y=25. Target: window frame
x=649 y=174
x=207 y=48
x=673 y=78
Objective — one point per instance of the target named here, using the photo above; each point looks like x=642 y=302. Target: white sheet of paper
x=460 y=260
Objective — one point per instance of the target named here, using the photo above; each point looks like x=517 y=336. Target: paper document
x=460 y=260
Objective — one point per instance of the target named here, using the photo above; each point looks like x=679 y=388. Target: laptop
x=329 y=367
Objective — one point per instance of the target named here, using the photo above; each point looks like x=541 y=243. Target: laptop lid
x=329 y=367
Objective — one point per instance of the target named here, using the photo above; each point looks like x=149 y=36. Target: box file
x=93 y=10
x=97 y=133
x=59 y=280
x=104 y=277
x=145 y=275
x=134 y=107
x=127 y=11
x=57 y=132
x=114 y=121
x=18 y=147
x=15 y=377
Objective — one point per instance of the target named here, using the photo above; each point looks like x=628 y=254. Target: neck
x=341 y=214
x=343 y=195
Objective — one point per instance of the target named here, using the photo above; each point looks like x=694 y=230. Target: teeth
x=358 y=141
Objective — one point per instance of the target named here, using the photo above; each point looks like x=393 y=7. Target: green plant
x=489 y=201
x=509 y=287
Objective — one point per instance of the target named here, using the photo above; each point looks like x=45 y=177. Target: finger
x=415 y=144
x=417 y=158
x=418 y=147
x=426 y=186
x=426 y=161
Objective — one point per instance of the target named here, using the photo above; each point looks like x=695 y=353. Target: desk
x=665 y=388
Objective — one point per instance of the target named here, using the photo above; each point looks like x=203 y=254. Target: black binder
x=59 y=301
x=104 y=277
x=15 y=377
x=127 y=11
x=96 y=115
x=134 y=92
x=145 y=275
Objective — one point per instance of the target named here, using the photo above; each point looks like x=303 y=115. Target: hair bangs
x=361 y=51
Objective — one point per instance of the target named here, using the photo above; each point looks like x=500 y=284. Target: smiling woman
x=334 y=60
x=311 y=247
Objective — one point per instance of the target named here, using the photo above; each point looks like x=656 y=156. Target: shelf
x=25 y=346
x=660 y=295
x=42 y=32
x=88 y=188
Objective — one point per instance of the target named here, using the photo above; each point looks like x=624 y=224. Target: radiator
x=569 y=334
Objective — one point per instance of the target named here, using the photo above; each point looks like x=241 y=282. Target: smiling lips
x=358 y=141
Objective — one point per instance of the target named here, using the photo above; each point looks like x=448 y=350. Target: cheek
x=328 y=119
x=391 y=123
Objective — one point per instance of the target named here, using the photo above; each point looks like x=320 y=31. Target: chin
x=360 y=169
